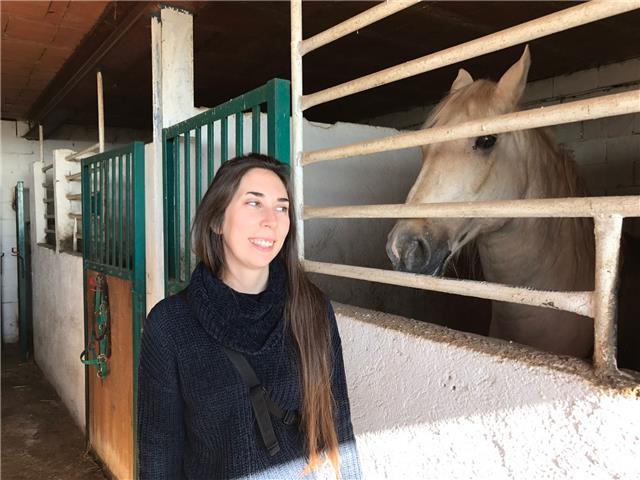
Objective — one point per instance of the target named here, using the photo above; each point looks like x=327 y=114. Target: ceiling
x=51 y=50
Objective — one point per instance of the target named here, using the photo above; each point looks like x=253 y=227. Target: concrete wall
x=429 y=402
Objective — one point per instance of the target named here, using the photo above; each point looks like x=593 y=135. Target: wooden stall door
x=111 y=399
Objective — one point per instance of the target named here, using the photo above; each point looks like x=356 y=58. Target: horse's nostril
x=417 y=254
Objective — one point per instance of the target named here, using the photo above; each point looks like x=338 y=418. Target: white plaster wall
x=429 y=402
x=58 y=325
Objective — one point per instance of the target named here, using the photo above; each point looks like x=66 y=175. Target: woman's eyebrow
x=258 y=194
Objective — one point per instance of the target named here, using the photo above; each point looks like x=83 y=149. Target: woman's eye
x=282 y=209
x=253 y=203
x=485 y=142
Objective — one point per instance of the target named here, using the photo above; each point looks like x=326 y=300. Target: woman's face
x=256 y=221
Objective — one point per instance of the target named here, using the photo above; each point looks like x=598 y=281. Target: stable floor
x=39 y=438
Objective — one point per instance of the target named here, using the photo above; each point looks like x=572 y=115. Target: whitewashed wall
x=429 y=402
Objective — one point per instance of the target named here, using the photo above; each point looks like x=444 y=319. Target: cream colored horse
x=549 y=254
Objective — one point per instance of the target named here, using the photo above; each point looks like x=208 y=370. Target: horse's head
x=488 y=167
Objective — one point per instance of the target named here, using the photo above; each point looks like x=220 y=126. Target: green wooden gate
x=23 y=255
x=113 y=245
x=193 y=148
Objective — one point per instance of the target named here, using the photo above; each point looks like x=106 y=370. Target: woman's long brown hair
x=306 y=314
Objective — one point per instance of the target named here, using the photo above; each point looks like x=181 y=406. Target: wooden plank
x=111 y=399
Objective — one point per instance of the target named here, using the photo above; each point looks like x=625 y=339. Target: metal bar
x=608 y=229
x=210 y=150
x=94 y=210
x=47 y=186
x=198 y=165
x=187 y=202
x=104 y=213
x=112 y=219
x=168 y=150
x=297 y=123
x=47 y=200
x=278 y=120
x=87 y=203
x=76 y=197
x=74 y=215
x=74 y=156
x=47 y=167
x=49 y=216
x=540 y=27
x=625 y=206
x=255 y=129
x=73 y=177
x=239 y=133
x=108 y=269
x=49 y=230
x=176 y=232
x=128 y=209
x=577 y=302
x=121 y=213
x=100 y=112
x=593 y=108
x=224 y=140
x=356 y=22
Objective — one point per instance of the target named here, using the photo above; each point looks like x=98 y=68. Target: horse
x=541 y=253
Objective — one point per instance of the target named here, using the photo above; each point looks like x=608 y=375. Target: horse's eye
x=485 y=142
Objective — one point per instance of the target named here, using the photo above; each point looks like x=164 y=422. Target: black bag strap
x=261 y=403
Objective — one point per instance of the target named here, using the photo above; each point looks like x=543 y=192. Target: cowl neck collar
x=238 y=321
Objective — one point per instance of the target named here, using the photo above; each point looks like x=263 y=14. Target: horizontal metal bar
x=74 y=196
x=47 y=186
x=49 y=216
x=108 y=269
x=47 y=200
x=47 y=167
x=49 y=230
x=74 y=177
x=75 y=215
x=626 y=206
x=589 y=109
x=74 y=156
x=356 y=22
x=576 y=302
x=537 y=28
x=242 y=103
x=116 y=152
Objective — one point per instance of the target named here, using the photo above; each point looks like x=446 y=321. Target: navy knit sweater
x=194 y=415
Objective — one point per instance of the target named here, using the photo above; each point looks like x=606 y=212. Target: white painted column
x=172 y=89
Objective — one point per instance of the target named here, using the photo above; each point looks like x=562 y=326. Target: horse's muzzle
x=409 y=252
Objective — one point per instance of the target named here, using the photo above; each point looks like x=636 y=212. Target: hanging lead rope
x=100 y=329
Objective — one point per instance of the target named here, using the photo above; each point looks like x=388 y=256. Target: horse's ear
x=462 y=80
x=512 y=83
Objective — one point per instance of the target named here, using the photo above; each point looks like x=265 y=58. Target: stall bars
x=184 y=177
x=608 y=212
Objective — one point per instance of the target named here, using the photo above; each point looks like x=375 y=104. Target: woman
x=248 y=301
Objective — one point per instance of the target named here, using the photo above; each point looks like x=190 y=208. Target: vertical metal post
x=198 y=165
x=608 y=230
x=187 y=202
x=296 y=120
x=210 y=165
x=255 y=129
x=100 y=112
x=239 y=133
x=224 y=140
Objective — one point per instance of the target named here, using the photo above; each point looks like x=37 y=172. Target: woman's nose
x=269 y=218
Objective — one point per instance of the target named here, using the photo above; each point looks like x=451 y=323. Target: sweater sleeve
x=349 y=460
x=160 y=409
